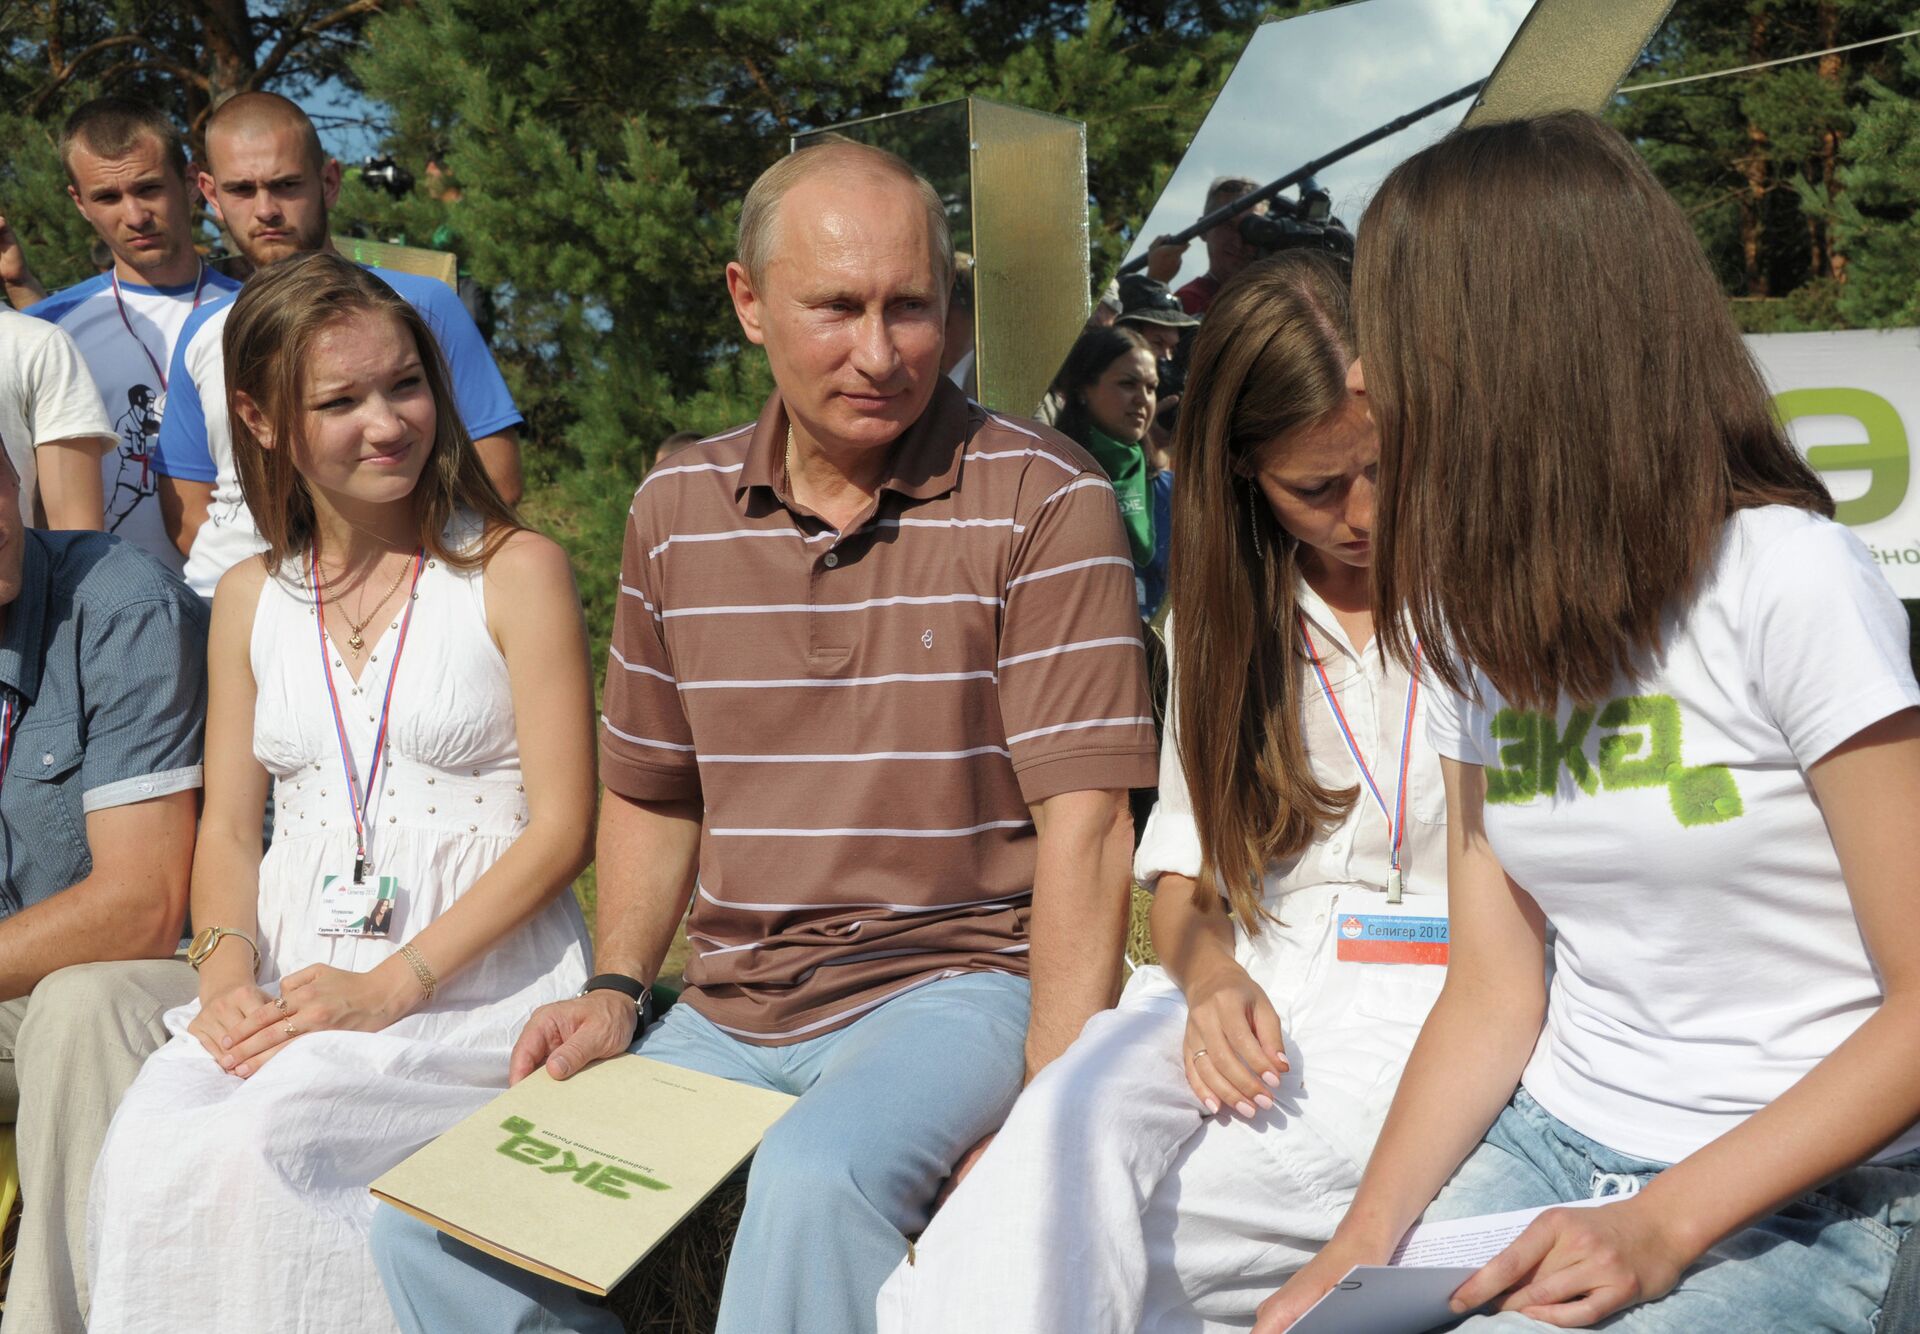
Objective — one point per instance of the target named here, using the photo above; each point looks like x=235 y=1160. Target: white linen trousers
x=1110 y=1202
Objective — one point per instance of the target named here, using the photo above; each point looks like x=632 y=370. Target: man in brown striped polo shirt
x=875 y=696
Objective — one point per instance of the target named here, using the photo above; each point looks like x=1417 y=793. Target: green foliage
x=33 y=196
x=1879 y=216
x=590 y=158
x=1801 y=180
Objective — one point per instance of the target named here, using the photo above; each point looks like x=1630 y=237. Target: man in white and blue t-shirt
x=271 y=184
x=127 y=174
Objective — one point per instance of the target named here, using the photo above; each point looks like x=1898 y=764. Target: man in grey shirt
x=103 y=700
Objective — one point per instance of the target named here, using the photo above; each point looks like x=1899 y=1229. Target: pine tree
x=1764 y=161
x=1878 y=215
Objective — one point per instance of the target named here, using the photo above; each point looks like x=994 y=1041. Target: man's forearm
x=183 y=509
x=648 y=854
x=70 y=483
x=24 y=292
x=131 y=906
x=1082 y=875
x=500 y=456
x=89 y=922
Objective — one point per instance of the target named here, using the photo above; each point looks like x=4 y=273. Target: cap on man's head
x=1145 y=300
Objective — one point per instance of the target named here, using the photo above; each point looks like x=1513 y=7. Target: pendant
x=355 y=642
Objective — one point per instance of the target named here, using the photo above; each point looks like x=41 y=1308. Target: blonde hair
x=268 y=343
x=833 y=152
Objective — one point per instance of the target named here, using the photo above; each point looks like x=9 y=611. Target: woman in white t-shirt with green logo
x=1678 y=728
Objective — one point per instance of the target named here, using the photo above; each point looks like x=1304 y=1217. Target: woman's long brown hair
x=1567 y=413
x=268 y=341
x=1272 y=355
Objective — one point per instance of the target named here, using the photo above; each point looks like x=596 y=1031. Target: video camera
x=383 y=173
x=1291 y=224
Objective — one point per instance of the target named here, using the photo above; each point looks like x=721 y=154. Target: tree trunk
x=1754 y=167
x=226 y=34
x=1832 y=68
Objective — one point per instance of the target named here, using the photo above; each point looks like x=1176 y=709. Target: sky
x=1308 y=85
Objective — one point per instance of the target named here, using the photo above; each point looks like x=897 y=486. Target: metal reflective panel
x=1569 y=55
x=1308 y=85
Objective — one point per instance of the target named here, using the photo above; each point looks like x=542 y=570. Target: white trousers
x=1110 y=1203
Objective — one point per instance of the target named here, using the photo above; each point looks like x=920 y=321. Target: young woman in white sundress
x=408 y=666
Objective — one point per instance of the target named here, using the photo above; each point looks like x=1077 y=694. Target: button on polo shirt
x=868 y=716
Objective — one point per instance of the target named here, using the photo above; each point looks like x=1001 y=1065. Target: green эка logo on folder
x=557 y=1160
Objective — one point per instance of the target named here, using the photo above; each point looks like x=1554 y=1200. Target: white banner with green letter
x=1851 y=402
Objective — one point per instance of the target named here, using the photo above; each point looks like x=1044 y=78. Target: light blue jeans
x=1820 y=1263
x=887 y=1106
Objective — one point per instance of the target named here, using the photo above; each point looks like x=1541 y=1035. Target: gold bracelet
x=422 y=974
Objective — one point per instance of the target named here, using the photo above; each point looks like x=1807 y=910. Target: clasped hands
x=243 y=1027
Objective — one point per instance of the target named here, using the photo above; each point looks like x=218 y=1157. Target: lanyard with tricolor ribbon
x=158 y=372
x=9 y=719
x=360 y=798
x=1397 y=813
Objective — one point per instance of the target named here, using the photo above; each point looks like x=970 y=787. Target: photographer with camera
x=1228 y=251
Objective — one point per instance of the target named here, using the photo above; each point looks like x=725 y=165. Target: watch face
x=202 y=946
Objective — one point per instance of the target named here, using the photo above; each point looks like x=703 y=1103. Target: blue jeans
x=1820 y=1263
x=887 y=1106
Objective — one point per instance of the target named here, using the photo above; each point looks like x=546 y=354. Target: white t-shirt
x=128 y=359
x=1706 y=954
x=45 y=395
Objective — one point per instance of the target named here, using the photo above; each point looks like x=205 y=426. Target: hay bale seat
x=676 y=1290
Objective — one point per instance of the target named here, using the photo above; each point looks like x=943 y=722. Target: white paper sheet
x=1409 y=1295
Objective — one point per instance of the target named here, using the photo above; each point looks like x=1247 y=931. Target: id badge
x=1373 y=931
x=347 y=909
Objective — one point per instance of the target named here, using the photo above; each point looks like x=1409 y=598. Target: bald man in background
x=271 y=185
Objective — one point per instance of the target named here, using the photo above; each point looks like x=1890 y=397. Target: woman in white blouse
x=1199 y=1142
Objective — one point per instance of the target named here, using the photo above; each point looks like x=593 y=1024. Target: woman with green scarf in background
x=1107 y=387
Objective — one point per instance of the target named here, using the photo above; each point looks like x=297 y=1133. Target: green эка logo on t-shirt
x=605 y=1178
x=1639 y=746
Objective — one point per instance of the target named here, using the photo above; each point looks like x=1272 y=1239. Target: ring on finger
x=289 y=1029
x=280 y=1002
x=1198 y=1052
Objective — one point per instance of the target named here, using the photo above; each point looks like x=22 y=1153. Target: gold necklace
x=355 y=640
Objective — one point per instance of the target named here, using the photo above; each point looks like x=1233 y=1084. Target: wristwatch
x=640 y=993
x=208 y=937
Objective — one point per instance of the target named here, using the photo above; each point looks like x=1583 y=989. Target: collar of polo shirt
x=924 y=462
